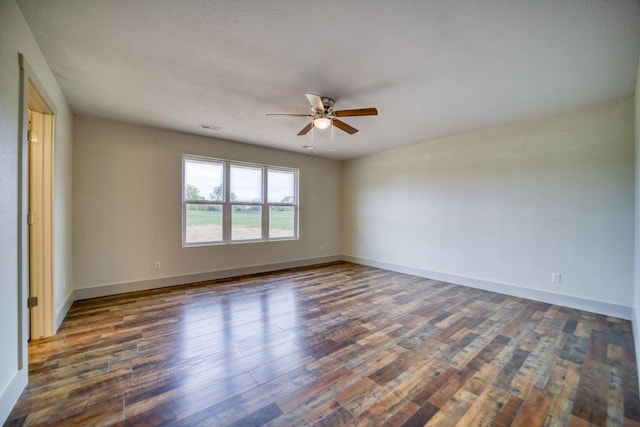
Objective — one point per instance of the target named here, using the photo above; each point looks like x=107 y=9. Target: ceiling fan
x=322 y=115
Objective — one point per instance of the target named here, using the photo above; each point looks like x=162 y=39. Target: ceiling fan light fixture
x=322 y=122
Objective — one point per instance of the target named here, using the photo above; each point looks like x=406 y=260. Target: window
x=281 y=190
x=225 y=201
x=203 y=201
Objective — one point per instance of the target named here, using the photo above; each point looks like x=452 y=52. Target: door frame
x=28 y=79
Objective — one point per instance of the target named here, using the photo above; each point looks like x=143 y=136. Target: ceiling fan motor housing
x=328 y=105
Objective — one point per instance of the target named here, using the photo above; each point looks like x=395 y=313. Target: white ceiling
x=432 y=68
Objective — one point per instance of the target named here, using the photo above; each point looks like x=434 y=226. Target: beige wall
x=506 y=205
x=16 y=37
x=127 y=206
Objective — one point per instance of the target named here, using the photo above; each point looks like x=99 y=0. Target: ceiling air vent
x=210 y=127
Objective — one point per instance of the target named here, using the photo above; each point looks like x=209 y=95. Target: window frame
x=227 y=204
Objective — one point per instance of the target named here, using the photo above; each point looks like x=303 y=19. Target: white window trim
x=227 y=204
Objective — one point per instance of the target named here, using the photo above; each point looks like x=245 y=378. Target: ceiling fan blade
x=316 y=102
x=306 y=129
x=288 y=114
x=345 y=127
x=357 y=112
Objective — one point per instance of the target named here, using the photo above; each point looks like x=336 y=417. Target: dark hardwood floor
x=336 y=344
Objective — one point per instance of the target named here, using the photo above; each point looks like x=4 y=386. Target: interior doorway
x=40 y=135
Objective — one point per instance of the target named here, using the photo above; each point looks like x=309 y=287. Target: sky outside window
x=245 y=182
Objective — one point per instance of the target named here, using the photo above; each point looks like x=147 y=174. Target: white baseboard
x=163 y=282
x=636 y=339
x=10 y=395
x=599 y=307
x=608 y=309
x=62 y=312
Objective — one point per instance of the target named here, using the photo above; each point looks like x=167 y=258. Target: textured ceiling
x=432 y=68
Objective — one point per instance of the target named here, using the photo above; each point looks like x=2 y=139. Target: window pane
x=281 y=221
x=281 y=186
x=246 y=222
x=203 y=223
x=203 y=180
x=246 y=184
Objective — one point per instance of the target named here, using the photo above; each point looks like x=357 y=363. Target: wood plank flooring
x=330 y=345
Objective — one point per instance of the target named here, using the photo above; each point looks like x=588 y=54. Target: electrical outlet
x=156 y=265
x=556 y=277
